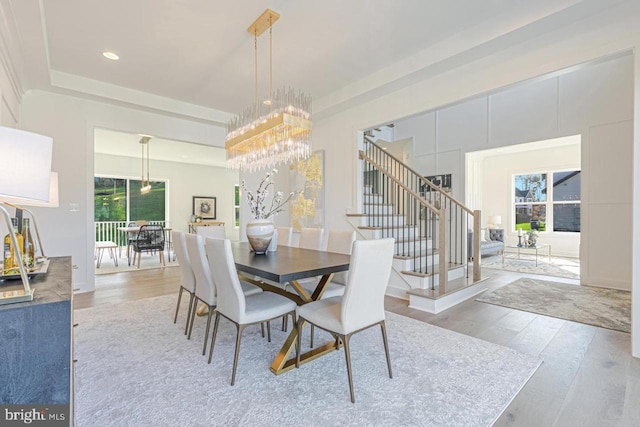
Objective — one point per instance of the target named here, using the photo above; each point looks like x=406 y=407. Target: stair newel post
x=477 y=274
x=442 y=247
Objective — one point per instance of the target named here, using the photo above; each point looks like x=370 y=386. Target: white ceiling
x=199 y=52
x=194 y=58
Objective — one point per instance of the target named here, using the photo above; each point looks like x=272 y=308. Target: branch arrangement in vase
x=257 y=204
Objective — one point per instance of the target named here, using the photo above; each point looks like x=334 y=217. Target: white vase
x=259 y=234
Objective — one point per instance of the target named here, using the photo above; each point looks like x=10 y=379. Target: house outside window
x=530 y=201
x=542 y=207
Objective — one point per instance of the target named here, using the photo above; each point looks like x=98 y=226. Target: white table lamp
x=25 y=175
x=20 y=203
x=494 y=221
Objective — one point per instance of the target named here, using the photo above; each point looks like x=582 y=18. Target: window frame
x=549 y=203
x=236 y=207
x=127 y=179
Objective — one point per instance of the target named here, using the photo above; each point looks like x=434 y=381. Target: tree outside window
x=530 y=201
x=543 y=208
x=236 y=205
x=119 y=199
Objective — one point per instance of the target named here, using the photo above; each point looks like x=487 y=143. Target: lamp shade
x=25 y=166
x=53 y=196
x=494 y=220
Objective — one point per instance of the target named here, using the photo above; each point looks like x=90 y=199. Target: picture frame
x=441 y=181
x=204 y=207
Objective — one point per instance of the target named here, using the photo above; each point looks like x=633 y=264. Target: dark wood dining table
x=288 y=265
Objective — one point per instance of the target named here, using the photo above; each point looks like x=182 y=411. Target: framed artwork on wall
x=204 y=207
x=441 y=181
x=307 y=178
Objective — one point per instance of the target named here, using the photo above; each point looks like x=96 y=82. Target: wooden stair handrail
x=415 y=195
x=422 y=179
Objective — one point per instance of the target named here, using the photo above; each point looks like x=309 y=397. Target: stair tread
x=450 y=266
x=384 y=215
x=411 y=240
x=417 y=255
x=377 y=227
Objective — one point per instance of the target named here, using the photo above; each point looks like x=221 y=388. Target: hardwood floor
x=588 y=377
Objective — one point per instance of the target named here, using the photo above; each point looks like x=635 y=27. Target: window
x=543 y=208
x=236 y=205
x=566 y=201
x=147 y=207
x=119 y=199
x=530 y=201
x=110 y=199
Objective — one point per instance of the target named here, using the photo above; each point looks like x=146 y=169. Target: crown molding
x=118 y=95
x=10 y=56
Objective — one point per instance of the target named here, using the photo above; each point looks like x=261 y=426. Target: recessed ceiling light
x=110 y=55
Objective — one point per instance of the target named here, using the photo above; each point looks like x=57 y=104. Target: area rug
x=558 y=267
x=605 y=308
x=135 y=367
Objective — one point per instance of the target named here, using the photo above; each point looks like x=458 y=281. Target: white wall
x=496 y=185
x=594 y=101
x=184 y=182
x=71 y=122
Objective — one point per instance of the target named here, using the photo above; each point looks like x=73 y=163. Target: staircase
x=431 y=266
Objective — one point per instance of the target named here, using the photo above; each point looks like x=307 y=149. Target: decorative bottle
x=11 y=265
x=29 y=253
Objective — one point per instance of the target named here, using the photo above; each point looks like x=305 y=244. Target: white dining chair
x=216 y=232
x=187 y=278
x=205 y=289
x=285 y=236
x=361 y=306
x=241 y=309
x=340 y=242
x=311 y=238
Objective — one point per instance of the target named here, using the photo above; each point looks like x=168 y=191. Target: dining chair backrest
x=150 y=237
x=180 y=248
x=216 y=232
x=369 y=272
x=205 y=288
x=285 y=235
x=311 y=238
x=231 y=302
x=341 y=242
x=141 y=223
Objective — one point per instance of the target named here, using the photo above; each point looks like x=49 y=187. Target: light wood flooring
x=588 y=377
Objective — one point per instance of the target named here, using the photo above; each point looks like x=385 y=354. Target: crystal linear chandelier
x=276 y=131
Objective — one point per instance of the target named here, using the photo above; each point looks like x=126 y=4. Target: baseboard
x=397 y=293
x=435 y=306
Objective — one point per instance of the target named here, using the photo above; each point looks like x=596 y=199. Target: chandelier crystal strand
x=279 y=135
